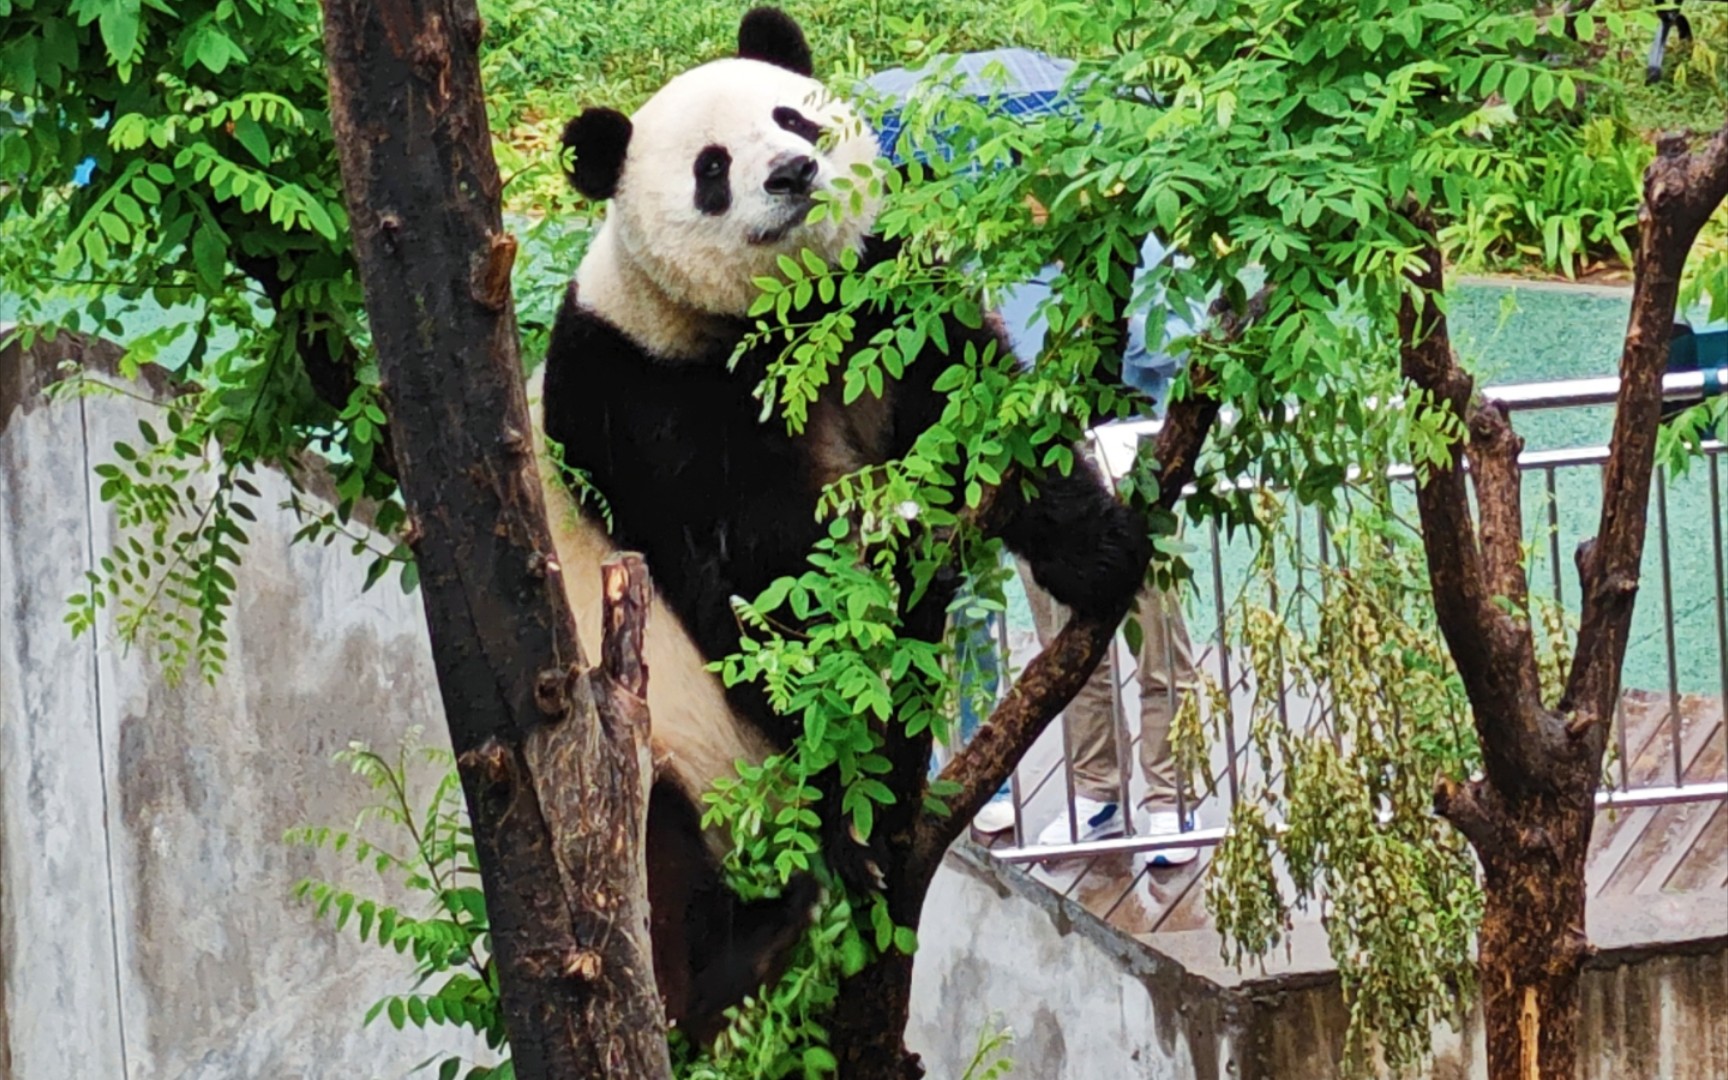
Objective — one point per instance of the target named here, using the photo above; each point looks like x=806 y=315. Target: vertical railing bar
x=1716 y=511
x=1324 y=548
x=1278 y=644
x=1175 y=702
x=1005 y=655
x=1620 y=741
x=1224 y=661
x=1068 y=780
x=1554 y=534
x=1124 y=748
x=1668 y=627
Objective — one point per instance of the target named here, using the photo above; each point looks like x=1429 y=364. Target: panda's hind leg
x=711 y=948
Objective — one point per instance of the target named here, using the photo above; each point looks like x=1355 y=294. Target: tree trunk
x=1529 y=817
x=868 y=1031
x=553 y=756
x=1532 y=945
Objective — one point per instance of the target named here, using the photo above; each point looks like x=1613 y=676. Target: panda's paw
x=1100 y=574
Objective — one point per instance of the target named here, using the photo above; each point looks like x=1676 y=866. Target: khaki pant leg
x=1167 y=677
x=1090 y=718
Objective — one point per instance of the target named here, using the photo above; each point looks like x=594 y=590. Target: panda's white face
x=717 y=183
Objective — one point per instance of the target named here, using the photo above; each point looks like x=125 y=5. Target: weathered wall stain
x=147 y=927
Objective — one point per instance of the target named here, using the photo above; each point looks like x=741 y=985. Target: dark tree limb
x=1681 y=191
x=1476 y=577
x=553 y=758
x=869 y=1040
x=1057 y=673
x=1493 y=452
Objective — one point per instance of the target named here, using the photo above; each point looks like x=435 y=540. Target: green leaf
x=251 y=136
x=906 y=939
x=818 y=1061
x=210 y=255
x=1517 y=81
x=119 y=26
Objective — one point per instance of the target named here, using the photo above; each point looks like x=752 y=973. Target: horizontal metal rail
x=1677 y=386
x=1713 y=791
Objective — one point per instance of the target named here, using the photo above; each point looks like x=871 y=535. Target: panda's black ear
x=774 y=37
x=598 y=139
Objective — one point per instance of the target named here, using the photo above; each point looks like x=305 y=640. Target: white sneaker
x=1096 y=820
x=1161 y=823
x=996 y=817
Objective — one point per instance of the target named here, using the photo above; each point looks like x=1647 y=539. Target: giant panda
x=708 y=184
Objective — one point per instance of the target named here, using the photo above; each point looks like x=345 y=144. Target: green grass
x=545 y=62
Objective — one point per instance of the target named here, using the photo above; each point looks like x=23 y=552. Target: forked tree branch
x=1681 y=191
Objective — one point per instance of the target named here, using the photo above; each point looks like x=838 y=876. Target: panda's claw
x=876 y=875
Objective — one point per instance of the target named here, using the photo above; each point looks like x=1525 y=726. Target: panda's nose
x=792 y=176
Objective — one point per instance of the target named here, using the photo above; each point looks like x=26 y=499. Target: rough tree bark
x=553 y=756
x=1529 y=817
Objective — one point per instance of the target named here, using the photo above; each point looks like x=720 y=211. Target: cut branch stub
x=624 y=584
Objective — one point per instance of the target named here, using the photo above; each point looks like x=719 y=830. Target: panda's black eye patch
x=798 y=124
x=713 y=180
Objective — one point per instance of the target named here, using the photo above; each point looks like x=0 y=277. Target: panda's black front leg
x=1084 y=547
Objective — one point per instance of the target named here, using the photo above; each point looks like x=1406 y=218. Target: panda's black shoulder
x=585 y=354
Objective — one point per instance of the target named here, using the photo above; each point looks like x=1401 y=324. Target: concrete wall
x=997 y=949
x=1084 y=1001
x=146 y=923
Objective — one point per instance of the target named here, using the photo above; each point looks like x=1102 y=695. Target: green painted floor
x=1562 y=332
x=1510 y=332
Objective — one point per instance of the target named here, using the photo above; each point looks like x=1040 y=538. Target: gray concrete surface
x=147 y=929
x=1085 y=1001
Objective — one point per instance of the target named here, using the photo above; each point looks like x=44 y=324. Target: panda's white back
x=695 y=738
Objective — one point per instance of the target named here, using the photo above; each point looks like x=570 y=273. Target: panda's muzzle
x=790 y=182
x=792 y=176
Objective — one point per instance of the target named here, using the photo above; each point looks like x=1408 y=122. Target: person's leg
x=1167 y=679
x=1090 y=723
x=979 y=660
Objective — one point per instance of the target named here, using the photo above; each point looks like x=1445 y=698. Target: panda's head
x=713 y=178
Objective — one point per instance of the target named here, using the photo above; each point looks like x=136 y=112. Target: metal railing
x=1208 y=816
